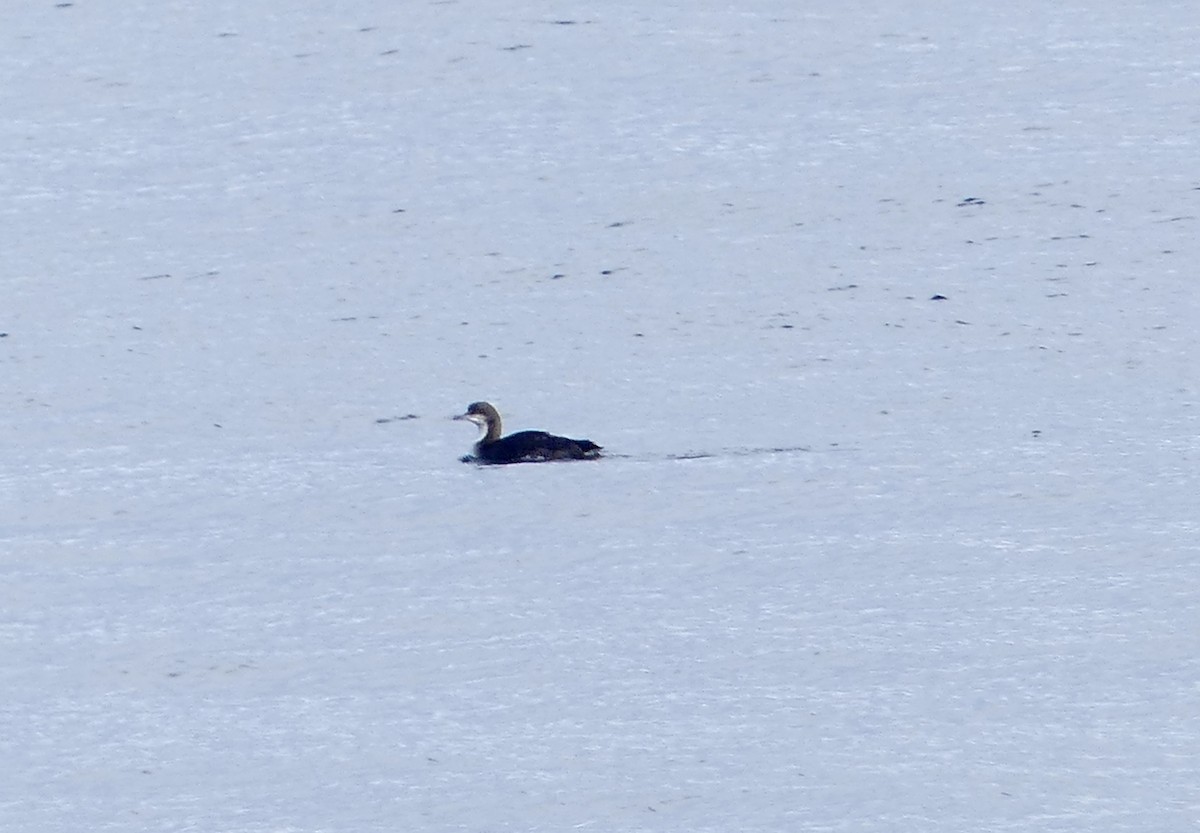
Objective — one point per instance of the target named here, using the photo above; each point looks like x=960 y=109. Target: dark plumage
x=523 y=446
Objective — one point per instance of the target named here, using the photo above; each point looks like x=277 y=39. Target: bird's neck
x=491 y=431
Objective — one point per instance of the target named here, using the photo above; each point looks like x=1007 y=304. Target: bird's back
x=535 y=446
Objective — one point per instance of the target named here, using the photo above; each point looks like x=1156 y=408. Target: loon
x=523 y=446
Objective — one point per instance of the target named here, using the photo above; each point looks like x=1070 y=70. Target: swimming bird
x=523 y=446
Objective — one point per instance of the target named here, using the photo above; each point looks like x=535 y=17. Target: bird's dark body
x=534 y=447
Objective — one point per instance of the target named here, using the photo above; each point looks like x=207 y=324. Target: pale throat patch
x=479 y=420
